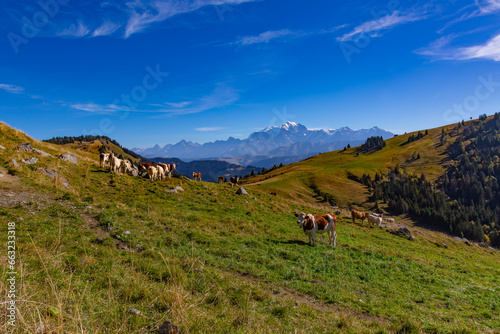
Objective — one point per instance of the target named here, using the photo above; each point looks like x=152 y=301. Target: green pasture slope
x=211 y=261
x=328 y=171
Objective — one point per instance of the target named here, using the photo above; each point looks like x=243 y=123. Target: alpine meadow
x=250 y=166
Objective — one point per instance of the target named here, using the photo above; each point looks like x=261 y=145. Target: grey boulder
x=241 y=191
x=69 y=157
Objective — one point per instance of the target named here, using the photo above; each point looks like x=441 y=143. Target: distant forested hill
x=466 y=199
x=90 y=138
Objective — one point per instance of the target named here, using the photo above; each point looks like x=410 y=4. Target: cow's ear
x=296 y=214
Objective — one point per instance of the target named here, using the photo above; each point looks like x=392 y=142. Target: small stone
x=171 y=191
x=25 y=147
x=1 y=175
x=127 y=232
x=403 y=230
x=30 y=161
x=69 y=157
x=134 y=311
x=179 y=188
x=411 y=237
x=14 y=163
x=2 y=148
x=42 y=153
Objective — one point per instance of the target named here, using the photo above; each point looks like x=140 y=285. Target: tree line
x=465 y=200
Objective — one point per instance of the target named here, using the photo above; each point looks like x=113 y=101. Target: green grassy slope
x=328 y=171
x=214 y=262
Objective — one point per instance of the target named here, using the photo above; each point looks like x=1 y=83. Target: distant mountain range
x=287 y=143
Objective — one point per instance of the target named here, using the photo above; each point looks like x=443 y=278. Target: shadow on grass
x=290 y=242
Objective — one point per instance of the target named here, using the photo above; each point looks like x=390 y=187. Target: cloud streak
x=221 y=96
x=264 y=37
x=271 y=35
x=143 y=14
x=441 y=49
x=13 y=89
x=79 y=30
x=372 y=28
x=206 y=129
x=108 y=109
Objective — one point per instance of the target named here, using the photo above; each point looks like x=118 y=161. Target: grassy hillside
x=328 y=172
x=211 y=261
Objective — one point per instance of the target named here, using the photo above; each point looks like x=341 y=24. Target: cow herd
x=373 y=218
x=310 y=223
x=313 y=224
x=124 y=166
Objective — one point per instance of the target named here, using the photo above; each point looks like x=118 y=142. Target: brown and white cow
x=356 y=214
x=196 y=176
x=313 y=224
x=171 y=168
x=221 y=179
x=104 y=160
x=234 y=180
x=152 y=172
x=160 y=172
x=115 y=163
x=125 y=166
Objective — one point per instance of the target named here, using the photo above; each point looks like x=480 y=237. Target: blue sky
x=155 y=72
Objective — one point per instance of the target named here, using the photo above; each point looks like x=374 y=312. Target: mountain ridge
x=286 y=140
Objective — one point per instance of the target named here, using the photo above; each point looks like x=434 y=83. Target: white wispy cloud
x=182 y=104
x=107 y=109
x=476 y=9
x=270 y=35
x=206 y=129
x=107 y=28
x=441 y=49
x=265 y=37
x=142 y=14
x=372 y=28
x=221 y=96
x=13 y=89
x=79 y=30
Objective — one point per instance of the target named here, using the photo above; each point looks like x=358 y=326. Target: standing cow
x=313 y=224
x=355 y=213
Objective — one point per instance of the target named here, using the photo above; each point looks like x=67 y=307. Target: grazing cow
x=389 y=220
x=375 y=220
x=152 y=172
x=221 y=179
x=104 y=159
x=355 y=213
x=163 y=169
x=196 y=176
x=313 y=224
x=125 y=166
x=160 y=172
x=234 y=180
x=115 y=163
x=144 y=165
x=171 y=168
